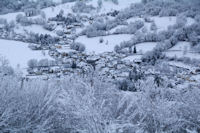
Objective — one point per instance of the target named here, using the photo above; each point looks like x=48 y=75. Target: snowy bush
x=74 y=104
x=37 y=105
x=9 y=26
x=131 y=28
x=153 y=10
x=32 y=63
x=19 y=18
x=5 y=69
x=25 y=21
x=152 y=56
x=65 y=1
x=161 y=36
x=67 y=19
x=3 y=21
x=7 y=6
x=60 y=32
x=49 y=27
x=94 y=31
x=197 y=48
x=115 y=1
x=181 y=21
x=82 y=7
x=193 y=38
x=117 y=48
x=137 y=24
x=153 y=26
x=126 y=85
x=78 y=47
x=100 y=3
x=43 y=40
x=132 y=11
x=31 y=12
x=148 y=19
x=160 y=111
x=151 y=37
x=197 y=18
x=43 y=14
x=101 y=40
x=168 y=12
x=43 y=63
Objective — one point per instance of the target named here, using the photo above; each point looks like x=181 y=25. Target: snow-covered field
x=34 y=29
x=11 y=16
x=145 y=47
x=182 y=49
x=94 y=46
x=19 y=54
x=133 y=58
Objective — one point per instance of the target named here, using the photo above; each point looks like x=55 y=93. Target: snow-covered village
x=99 y=66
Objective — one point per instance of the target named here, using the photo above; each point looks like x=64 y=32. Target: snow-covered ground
x=180 y=46
x=11 y=16
x=117 y=27
x=145 y=47
x=94 y=46
x=133 y=57
x=33 y=28
x=180 y=54
x=133 y=19
x=19 y=54
x=182 y=49
x=163 y=23
x=180 y=64
x=53 y=11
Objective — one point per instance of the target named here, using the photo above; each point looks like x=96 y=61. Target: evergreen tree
x=134 y=50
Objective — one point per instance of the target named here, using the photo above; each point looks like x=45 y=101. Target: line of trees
x=7 y=6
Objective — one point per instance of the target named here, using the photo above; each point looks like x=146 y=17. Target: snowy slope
x=18 y=53
x=93 y=44
x=110 y=6
x=182 y=49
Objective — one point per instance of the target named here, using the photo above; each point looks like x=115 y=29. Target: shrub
x=153 y=26
x=152 y=56
x=60 y=32
x=81 y=7
x=78 y=47
x=181 y=21
x=126 y=85
x=101 y=40
x=49 y=27
x=32 y=63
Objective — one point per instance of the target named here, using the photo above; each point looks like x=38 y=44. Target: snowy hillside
x=18 y=53
x=99 y=66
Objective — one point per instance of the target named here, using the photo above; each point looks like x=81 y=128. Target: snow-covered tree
x=100 y=3
x=78 y=47
x=32 y=63
x=82 y=7
x=153 y=26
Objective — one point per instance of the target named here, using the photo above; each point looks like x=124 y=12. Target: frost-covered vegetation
x=99 y=66
x=7 y=6
x=74 y=104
